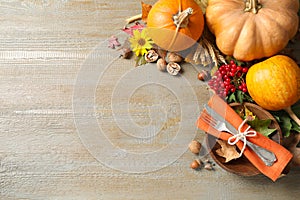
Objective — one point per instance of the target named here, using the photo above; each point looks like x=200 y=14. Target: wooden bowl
x=242 y=166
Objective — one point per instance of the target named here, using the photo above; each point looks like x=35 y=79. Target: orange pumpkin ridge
x=261 y=30
x=175 y=25
x=274 y=83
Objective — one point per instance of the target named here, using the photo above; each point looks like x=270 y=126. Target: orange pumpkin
x=175 y=25
x=252 y=29
x=274 y=84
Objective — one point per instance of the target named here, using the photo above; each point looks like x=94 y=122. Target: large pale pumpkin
x=252 y=29
x=274 y=84
x=175 y=25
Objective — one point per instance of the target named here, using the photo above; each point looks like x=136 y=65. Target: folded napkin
x=283 y=155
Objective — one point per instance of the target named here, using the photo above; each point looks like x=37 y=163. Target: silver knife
x=267 y=156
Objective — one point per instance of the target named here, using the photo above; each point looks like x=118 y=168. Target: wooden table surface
x=78 y=123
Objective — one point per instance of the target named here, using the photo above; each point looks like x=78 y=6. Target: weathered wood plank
x=43 y=45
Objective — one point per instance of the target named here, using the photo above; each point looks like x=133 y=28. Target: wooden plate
x=242 y=166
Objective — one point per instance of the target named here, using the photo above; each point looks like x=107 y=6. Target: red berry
x=232 y=74
x=232 y=86
x=245 y=70
x=227 y=68
x=226 y=83
x=233 y=70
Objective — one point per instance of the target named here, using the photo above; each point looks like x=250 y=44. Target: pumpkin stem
x=292 y=115
x=252 y=6
x=181 y=19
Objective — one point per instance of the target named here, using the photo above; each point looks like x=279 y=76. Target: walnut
x=151 y=56
x=173 y=68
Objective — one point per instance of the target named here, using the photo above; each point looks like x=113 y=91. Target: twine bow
x=242 y=135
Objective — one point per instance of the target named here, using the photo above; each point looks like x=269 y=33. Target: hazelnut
x=196 y=164
x=161 y=64
x=203 y=75
x=174 y=57
x=162 y=53
x=126 y=53
x=173 y=68
x=151 y=56
x=195 y=147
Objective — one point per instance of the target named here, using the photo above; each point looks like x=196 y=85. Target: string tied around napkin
x=242 y=135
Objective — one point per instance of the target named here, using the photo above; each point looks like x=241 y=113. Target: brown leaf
x=113 y=42
x=145 y=11
x=227 y=151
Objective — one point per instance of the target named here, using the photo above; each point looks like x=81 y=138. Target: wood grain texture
x=43 y=45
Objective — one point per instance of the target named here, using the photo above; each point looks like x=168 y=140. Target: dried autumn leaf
x=248 y=113
x=145 y=11
x=137 y=26
x=227 y=151
x=113 y=42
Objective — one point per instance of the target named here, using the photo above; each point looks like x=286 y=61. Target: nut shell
x=174 y=57
x=208 y=166
x=173 y=68
x=195 y=146
x=203 y=75
x=196 y=164
x=151 y=56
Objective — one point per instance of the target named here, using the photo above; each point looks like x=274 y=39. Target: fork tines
x=207 y=118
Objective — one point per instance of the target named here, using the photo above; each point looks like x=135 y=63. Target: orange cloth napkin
x=283 y=155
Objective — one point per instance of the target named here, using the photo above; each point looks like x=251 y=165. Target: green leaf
x=248 y=98
x=295 y=126
x=239 y=96
x=262 y=126
x=286 y=125
x=231 y=98
x=140 y=60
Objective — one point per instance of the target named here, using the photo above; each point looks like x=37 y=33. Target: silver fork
x=266 y=156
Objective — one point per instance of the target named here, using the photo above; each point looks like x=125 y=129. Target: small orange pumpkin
x=274 y=84
x=252 y=29
x=175 y=25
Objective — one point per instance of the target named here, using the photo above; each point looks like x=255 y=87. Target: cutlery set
x=216 y=121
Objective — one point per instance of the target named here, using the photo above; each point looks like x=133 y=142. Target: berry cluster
x=229 y=78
